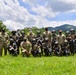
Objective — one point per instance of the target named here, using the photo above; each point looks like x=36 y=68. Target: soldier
x=39 y=35
x=18 y=33
x=71 y=46
x=39 y=40
x=47 y=47
x=22 y=36
x=35 y=49
x=61 y=38
x=30 y=36
x=65 y=48
x=72 y=33
x=54 y=35
x=4 y=42
x=67 y=34
x=47 y=34
x=16 y=39
x=54 y=38
x=75 y=43
x=13 y=36
x=12 y=48
x=26 y=48
x=57 y=49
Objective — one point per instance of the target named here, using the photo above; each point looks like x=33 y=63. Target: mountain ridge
x=63 y=27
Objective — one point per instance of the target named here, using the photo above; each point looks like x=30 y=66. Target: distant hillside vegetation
x=62 y=27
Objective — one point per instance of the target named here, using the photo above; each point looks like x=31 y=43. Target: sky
x=18 y=14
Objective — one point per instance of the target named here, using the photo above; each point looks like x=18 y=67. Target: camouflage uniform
x=39 y=40
x=57 y=49
x=61 y=38
x=54 y=38
x=30 y=36
x=12 y=48
x=47 y=34
x=72 y=34
x=47 y=47
x=71 y=46
x=65 y=48
x=26 y=48
x=3 y=43
x=35 y=48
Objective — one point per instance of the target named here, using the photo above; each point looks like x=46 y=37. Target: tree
x=2 y=26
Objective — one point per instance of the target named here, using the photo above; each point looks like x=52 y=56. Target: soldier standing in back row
x=72 y=34
x=54 y=38
x=30 y=36
x=47 y=34
x=39 y=40
x=3 y=42
x=61 y=38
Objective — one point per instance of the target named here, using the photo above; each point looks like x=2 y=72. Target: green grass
x=37 y=66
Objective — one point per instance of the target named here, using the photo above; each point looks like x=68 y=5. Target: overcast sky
x=17 y=14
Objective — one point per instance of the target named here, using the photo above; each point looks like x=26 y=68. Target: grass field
x=37 y=66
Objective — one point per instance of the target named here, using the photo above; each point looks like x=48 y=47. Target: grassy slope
x=37 y=66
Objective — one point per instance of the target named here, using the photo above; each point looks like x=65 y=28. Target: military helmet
x=22 y=32
x=31 y=31
x=18 y=29
x=11 y=40
x=65 y=41
x=53 y=31
x=70 y=38
x=25 y=39
x=72 y=31
x=33 y=40
x=46 y=39
x=67 y=32
x=56 y=43
x=38 y=32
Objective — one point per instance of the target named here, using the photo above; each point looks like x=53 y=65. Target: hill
x=62 y=27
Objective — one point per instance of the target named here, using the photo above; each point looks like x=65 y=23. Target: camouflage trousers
x=3 y=46
x=25 y=53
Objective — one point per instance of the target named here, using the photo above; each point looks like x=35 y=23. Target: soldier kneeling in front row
x=12 y=48
x=26 y=48
x=65 y=48
x=47 y=47
x=57 y=49
x=35 y=49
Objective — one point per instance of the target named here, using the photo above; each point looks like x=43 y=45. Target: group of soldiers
x=48 y=43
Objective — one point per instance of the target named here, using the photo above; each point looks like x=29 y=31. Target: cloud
x=16 y=25
x=16 y=16
x=43 y=11
x=59 y=23
x=12 y=25
x=55 y=5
